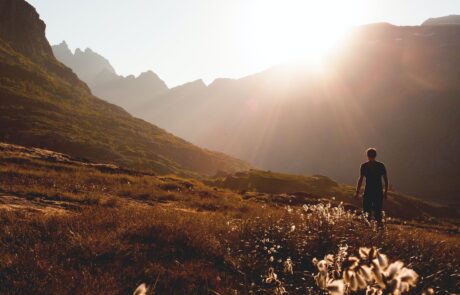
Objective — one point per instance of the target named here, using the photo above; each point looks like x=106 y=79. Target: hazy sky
x=184 y=40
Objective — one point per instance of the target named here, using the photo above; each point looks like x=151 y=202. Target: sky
x=186 y=40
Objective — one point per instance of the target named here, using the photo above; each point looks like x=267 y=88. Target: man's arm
x=385 y=180
x=358 y=186
x=360 y=181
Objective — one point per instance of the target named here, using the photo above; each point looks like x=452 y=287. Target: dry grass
x=302 y=235
x=109 y=251
x=117 y=229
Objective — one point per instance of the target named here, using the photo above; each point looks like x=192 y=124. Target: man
x=374 y=194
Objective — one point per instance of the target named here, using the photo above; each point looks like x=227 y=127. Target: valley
x=248 y=189
x=281 y=119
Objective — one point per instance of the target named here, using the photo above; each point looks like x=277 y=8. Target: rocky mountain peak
x=443 y=20
x=62 y=50
x=22 y=28
x=87 y=64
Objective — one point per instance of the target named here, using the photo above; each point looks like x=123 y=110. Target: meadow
x=74 y=227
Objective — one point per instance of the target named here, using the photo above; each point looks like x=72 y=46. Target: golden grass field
x=74 y=227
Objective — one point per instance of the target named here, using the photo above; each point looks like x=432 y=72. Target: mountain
x=391 y=87
x=20 y=26
x=444 y=20
x=86 y=64
x=128 y=92
x=44 y=104
x=394 y=88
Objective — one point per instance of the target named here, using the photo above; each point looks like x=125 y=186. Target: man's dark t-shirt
x=373 y=171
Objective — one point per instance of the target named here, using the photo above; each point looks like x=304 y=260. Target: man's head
x=371 y=154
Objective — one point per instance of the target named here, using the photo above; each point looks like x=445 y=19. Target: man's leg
x=377 y=208
x=367 y=207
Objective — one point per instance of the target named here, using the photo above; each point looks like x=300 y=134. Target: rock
x=22 y=28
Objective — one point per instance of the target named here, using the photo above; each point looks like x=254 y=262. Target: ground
x=75 y=227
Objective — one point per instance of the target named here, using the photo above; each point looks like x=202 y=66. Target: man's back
x=374 y=195
x=373 y=171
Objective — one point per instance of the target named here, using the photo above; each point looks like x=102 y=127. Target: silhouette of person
x=374 y=194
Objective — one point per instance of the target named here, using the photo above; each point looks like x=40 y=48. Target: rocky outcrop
x=22 y=29
x=86 y=64
x=130 y=92
x=443 y=20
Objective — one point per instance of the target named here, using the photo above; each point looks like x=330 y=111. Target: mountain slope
x=128 y=92
x=86 y=64
x=44 y=104
x=395 y=88
x=443 y=20
x=298 y=190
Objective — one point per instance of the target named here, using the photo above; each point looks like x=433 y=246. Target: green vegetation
x=73 y=227
x=45 y=105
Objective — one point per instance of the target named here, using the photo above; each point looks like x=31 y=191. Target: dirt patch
x=36 y=205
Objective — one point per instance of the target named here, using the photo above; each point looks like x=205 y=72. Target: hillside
x=86 y=64
x=73 y=227
x=307 y=120
x=298 y=190
x=443 y=21
x=393 y=88
x=44 y=104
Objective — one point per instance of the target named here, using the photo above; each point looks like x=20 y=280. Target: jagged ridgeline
x=44 y=104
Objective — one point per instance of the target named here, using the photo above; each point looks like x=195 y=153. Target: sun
x=274 y=31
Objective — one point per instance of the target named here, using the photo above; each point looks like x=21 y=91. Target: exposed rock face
x=394 y=88
x=21 y=27
x=444 y=20
x=86 y=64
x=129 y=92
x=62 y=51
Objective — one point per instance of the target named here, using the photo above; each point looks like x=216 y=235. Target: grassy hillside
x=72 y=227
x=298 y=189
x=389 y=87
x=44 y=104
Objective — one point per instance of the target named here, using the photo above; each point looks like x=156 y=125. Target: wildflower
x=428 y=291
x=272 y=276
x=373 y=290
x=288 y=266
x=322 y=277
x=399 y=279
x=141 y=290
x=365 y=272
x=350 y=263
x=372 y=273
x=279 y=289
x=336 y=287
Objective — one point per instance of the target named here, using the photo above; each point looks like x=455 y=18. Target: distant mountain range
x=442 y=21
x=44 y=104
x=395 y=88
x=128 y=92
